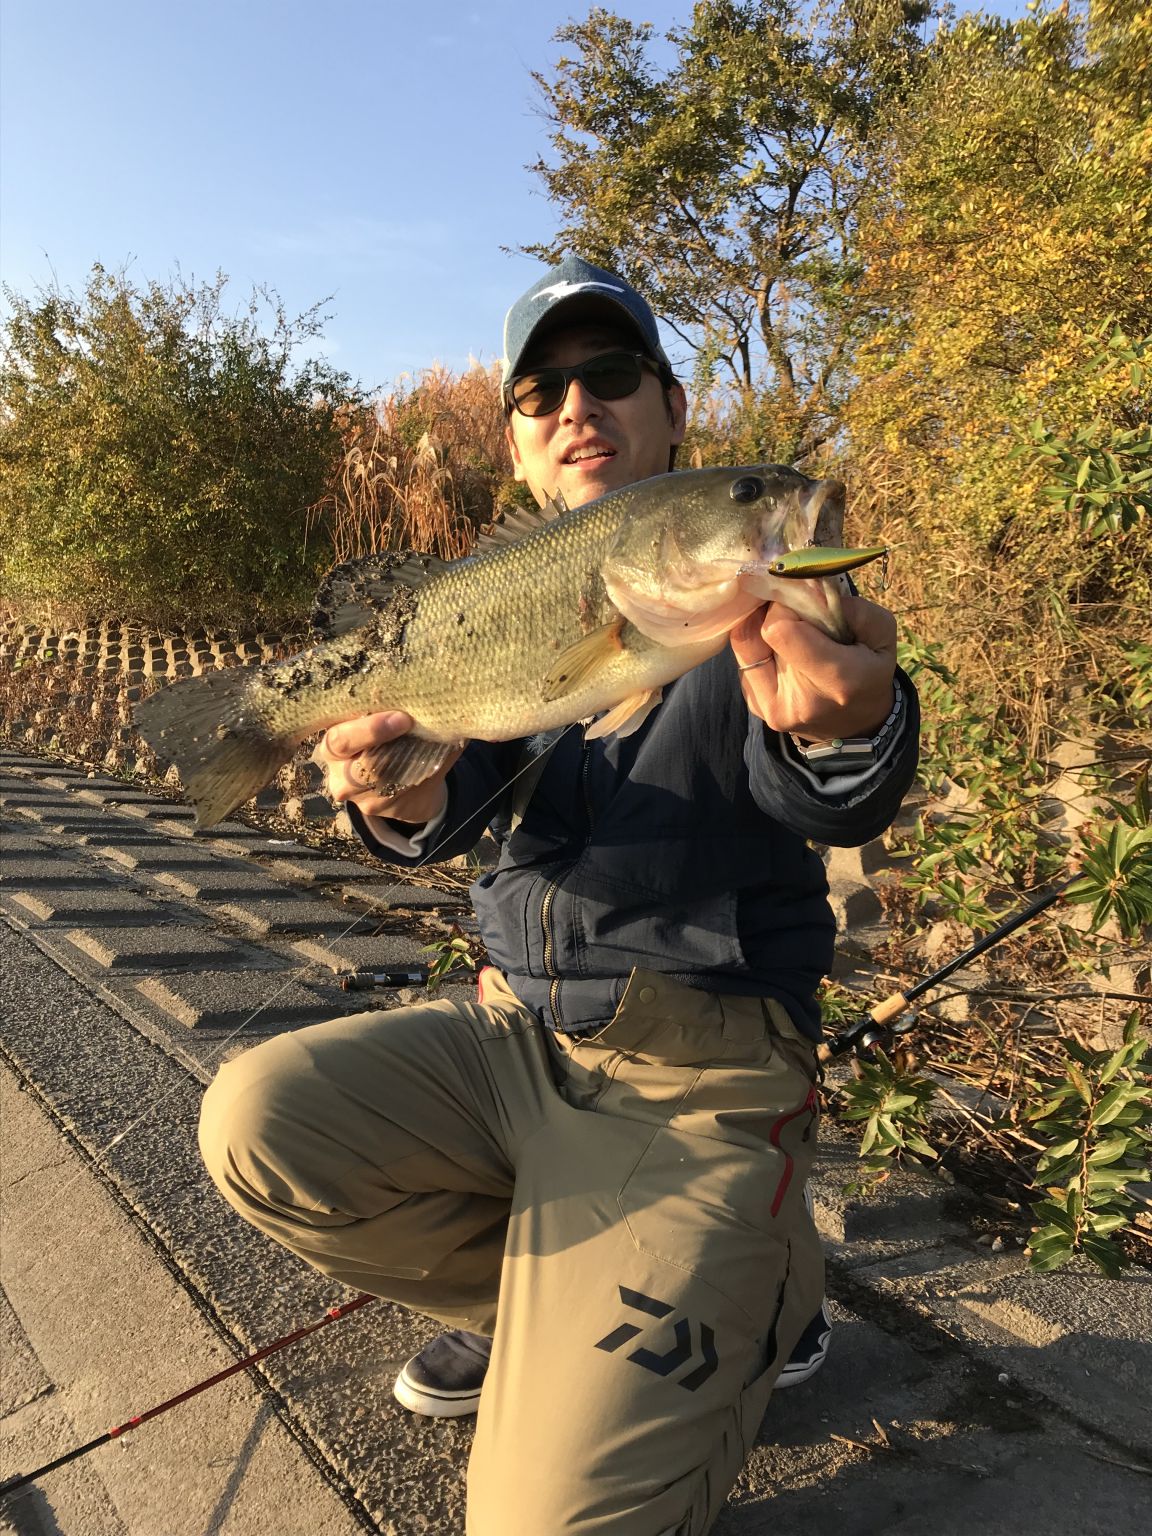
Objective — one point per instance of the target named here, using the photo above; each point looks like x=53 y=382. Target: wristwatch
x=851 y=754
x=843 y=754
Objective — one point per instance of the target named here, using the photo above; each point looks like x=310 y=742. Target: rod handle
x=888 y=1008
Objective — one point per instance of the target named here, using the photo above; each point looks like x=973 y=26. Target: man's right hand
x=338 y=753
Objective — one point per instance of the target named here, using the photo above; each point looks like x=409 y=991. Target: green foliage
x=1133 y=688
x=838 y=1006
x=1101 y=472
x=1116 y=866
x=725 y=183
x=1000 y=838
x=1097 y=1118
x=453 y=956
x=893 y=1101
x=158 y=456
x=997 y=837
x=1001 y=397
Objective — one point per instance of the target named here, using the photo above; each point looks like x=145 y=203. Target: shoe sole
x=796 y=1375
x=432 y=1404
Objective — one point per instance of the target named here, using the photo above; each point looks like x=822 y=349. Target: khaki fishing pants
x=623 y=1212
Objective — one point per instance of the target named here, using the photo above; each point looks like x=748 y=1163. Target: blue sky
x=373 y=151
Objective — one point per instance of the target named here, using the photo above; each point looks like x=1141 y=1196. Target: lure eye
x=746 y=489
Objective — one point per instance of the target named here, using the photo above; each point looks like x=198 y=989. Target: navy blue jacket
x=682 y=848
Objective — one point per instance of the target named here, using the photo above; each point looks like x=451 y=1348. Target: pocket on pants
x=705 y=1206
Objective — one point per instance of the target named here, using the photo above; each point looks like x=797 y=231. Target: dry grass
x=424 y=467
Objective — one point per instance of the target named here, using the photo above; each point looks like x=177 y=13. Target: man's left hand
x=797 y=679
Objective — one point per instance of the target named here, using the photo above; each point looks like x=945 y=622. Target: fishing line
x=212 y=1058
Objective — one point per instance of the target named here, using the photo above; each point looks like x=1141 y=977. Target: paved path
x=962 y=1393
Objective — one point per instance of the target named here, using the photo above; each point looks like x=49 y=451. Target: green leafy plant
x=893 y=1102
x=1136 y=682
x=1102 y=473
x=684 y=163
x=997 y=837
x=1116 y=865
x=838 y=1006
x=1097 y=1118
x=453 y=955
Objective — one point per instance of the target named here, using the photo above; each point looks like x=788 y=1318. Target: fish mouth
x=591 y=450
x=816 y=599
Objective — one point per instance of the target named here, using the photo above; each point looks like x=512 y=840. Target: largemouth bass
x=556 y=617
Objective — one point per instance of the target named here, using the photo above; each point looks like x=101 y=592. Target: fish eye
x=747 y=488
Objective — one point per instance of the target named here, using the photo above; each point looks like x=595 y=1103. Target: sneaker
x=444 y=1380
x=810 y=1352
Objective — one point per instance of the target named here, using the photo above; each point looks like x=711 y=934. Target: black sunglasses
x=609 y=376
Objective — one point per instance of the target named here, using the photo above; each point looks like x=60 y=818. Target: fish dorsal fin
x=518 y=522
x=579 y=663
x=352 y=594
x=627 y=716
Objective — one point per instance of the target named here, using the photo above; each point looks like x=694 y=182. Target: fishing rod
x=883 y=1021
x=333 y=1315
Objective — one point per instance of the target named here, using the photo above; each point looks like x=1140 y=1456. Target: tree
x=726 y=184
x=1004 y=313
x=157 y=455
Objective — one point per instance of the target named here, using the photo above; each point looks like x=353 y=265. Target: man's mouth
x=584 y=453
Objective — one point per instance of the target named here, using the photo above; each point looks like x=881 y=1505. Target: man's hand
x=797 y=679
x=339 y=754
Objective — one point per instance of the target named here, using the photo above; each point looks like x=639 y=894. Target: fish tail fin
x=209 y=727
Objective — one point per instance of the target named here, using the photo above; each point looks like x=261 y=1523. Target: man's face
x=588 y=446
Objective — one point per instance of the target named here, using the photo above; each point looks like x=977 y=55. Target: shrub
x=158 y=455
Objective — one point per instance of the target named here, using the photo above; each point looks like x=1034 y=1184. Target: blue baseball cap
x=576 y=287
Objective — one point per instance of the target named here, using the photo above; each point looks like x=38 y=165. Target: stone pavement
x=962 y=1393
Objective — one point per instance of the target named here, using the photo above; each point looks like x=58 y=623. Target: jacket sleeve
x=479 y=793
x=844 y=814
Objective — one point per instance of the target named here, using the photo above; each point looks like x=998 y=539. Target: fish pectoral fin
x=579 y=663
x=354 y=593
x=398 y=765
x=627 y=716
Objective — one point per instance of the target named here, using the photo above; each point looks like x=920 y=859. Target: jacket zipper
x=550 y=897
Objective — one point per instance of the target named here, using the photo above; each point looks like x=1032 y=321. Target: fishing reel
x=862 y=1037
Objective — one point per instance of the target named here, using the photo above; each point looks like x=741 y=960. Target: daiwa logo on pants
x=681 y=1353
